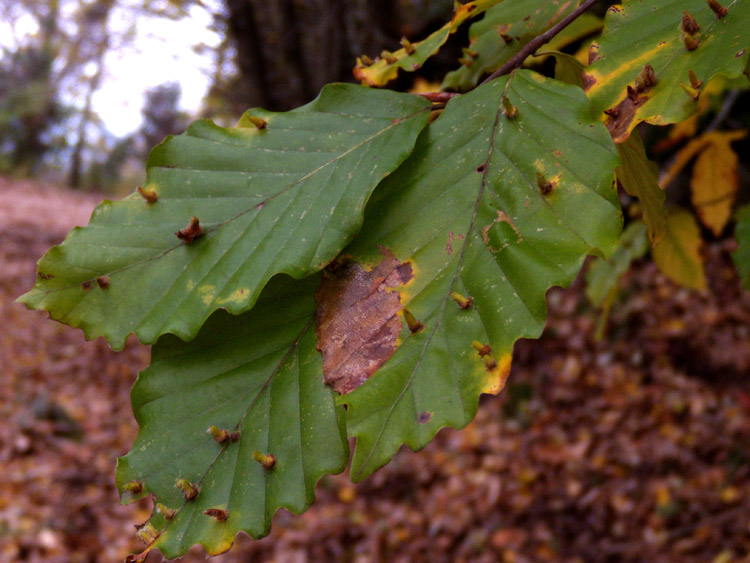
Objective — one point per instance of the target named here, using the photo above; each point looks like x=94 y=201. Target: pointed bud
x=482 y=349
x=267 y=461
x=463 y=302
x=717 y=9
x=691 y=43
x=388 y=57
x=216 y=513
x=147 y=533
x=191 y=232
x=219 y=434
x=506 y=38
x=613 y=112
x=257 y=121
x=411 y=321
x=135 y=488
x=509 y=109
x=408 y=47
x=646 y=78
x=149 y=195
x=690 y=91
x=544 y=185
x=689 y=25
x=489 y=362
x=168 y=513
x=189 y=490
x=694 y=82
x=366 y=61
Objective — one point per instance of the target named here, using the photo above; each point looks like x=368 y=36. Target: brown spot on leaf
x=191 y=232
x=102 y=281
x=588 y=80
x=621 y=115
x=217 y=514
x=739 y=54
x=357 y=321
x=87 y=285
x=593 y=52
x=424 y=417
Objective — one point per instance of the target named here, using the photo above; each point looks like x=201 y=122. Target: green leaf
x=257 y=374
x=603 y=275
x=649 y=32
x=285 y=198
x=503 y=32
x=568 y=69
x=495 y=209
x=678 y=254
x=386 y=67
x=741 y=256
x=639 y=177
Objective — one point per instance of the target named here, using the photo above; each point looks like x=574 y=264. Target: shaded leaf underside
x=285 y=198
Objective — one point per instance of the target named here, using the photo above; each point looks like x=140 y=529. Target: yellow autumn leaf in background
x=715 y=180
x=678 y=254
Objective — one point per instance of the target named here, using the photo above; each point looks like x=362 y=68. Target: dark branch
x=538 y=41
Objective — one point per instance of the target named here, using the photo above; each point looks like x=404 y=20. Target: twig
x=538 y=41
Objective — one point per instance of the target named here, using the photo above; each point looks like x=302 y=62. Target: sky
x=161 y=52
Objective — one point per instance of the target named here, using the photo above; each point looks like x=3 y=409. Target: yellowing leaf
x=681 y=159
x=637 y=174
x=678 y=254
x=715 y=180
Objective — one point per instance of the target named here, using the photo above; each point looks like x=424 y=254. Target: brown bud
x=87 y=285
x=613 y=112
x=694 y=82
x=217 y=513
x=218 y=434
x=463 y=302
x=412 y=322
x=266 y=460
x=147 y=533
x=189 y=490
x=133 y=487
x=149 y=195
x=482 y=349
x=509 y=109
x=168 y=513
x=544 y=185
x=388 y=57
x=691 y=43
x=717 y=9
x=191 y=232
x=646 y=78
x=506 y=38
x=102 y=281
x=689 y=25
x=489 y=362
x=258 y=122
x=408 y=47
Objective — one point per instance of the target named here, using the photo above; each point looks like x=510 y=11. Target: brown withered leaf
x=357 y=321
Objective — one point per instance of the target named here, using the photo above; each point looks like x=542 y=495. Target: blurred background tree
x=58 y=57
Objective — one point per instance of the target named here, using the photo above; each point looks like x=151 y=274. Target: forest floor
x=636 y=448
